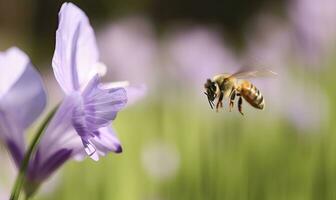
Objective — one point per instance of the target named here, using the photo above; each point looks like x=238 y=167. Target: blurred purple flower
x=129 y=47
x=197 y=53
x=22 y=99
x=314 y=28
x=270 y=41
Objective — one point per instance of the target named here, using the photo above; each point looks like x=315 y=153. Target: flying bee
x=231 y=85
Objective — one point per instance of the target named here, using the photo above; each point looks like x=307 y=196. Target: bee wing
x=254 y=73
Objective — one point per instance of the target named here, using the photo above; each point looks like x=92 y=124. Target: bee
x=229 y=86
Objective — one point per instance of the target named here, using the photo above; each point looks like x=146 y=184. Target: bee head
x=210 y=91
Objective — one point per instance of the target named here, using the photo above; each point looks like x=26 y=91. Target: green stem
x=20 y=179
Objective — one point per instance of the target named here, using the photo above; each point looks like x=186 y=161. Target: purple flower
x=130 y=44
x=83 y=120
x=89 y=106
x=271 y=41
x=197 y=53
x=22 y=99
x=82 y=123
x=314 y=28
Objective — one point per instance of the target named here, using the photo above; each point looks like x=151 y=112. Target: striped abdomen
x=252 y=95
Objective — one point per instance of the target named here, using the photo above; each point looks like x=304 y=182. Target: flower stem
x=20 y=179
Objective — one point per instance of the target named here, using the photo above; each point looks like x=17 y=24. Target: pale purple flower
x=22 y=99
x=88 y=108
x=83 y=120
x=313 y=23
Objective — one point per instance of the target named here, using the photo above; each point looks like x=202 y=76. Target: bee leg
x=240 y=102
x=232 y=98
x=220 y=101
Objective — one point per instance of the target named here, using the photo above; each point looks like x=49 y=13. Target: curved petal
x=26 y=99
x=134 y=92
x=12 y=136
x=60 y=133
x=106 y=141
x=76 y=51
x=13 y=63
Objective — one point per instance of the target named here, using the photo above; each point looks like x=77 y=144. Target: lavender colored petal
x=16 y=152
x=13 y=63
x=60 y=134
x=27 y=99
x=106 y=141
x=42 y=170
x=12 y=135
x=99 y=107
x=75 y=52
x=134 y=92
x=103 y=142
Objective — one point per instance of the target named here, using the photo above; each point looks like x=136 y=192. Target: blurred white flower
x=314 y=28
x=160 y=160
x=194 y=54
x=128 y=47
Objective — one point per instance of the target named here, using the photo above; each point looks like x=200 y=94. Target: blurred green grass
x=222 y=156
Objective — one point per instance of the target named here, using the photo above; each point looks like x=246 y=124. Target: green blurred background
x=175 y=146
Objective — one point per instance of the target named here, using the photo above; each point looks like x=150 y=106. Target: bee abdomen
x=252 y=95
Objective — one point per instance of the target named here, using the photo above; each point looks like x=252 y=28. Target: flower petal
x=98 y=109
x=103 y=142
x=40 y=170
x=60 y=133
x=13 y=62
x=134 y=92
x=106 y=141
x=26 y=99
x=76 y=51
